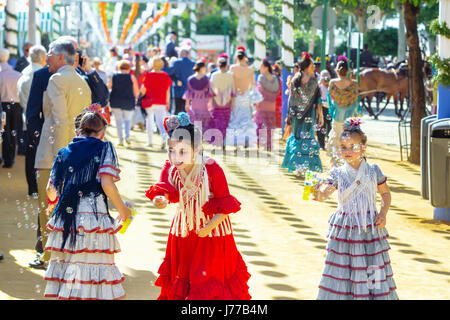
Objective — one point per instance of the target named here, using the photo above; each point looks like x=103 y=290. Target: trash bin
x=439 y=163
x=424 y=138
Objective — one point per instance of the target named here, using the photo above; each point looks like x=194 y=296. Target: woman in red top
x=156 y=87
x=201 y=261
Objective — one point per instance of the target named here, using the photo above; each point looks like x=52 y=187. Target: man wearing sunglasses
x=23 y=62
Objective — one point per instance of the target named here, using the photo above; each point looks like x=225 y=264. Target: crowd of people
x=58 y=108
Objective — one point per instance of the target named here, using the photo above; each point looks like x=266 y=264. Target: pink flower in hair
x=342 y=58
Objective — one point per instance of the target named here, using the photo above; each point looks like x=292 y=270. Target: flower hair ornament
x=223 y=55
x=342 y=58
x=175 y=121
x=240 y=48
x=97 y=108
x=306 y=55
x=352 y=124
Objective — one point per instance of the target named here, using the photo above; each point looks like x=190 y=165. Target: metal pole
x=357 y=57
x=324 y=35
x=349 y=37
x=32 y=21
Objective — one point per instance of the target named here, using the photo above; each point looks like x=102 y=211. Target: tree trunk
x=415 y=65
x=242 y=9
x=311 y=41
x=401 y=34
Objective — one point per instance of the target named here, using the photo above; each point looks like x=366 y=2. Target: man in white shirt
x=11 y=107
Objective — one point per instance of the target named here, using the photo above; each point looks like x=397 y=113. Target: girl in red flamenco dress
x=201 y=260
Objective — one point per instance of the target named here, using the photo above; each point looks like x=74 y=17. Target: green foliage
x=443 y=67
x=382 y=42
x=440 y=28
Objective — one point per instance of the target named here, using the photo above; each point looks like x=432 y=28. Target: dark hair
x=241 y=54
x=222 y=63
x=267 y=64
x=342 y=68
x=198 y=65
x=91 y=122
x=304 y=64
x=189 y=131
x=277 y=69
x=348 y=132
x=174 y=33
x=137 y=65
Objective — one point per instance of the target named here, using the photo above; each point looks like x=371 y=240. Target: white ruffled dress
x=357 y=264
x=86 y=271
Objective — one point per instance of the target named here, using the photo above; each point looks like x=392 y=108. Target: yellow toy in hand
x=127 y=222
x=311 y=180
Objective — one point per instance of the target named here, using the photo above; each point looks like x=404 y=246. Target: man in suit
x=22 y=62
x=38 y=57
x=170 y=46
x=66 y=96
x=35 y=121
x=99 y=90
x=182 y=70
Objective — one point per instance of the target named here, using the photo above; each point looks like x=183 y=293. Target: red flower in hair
x=306 y=55
x=165 y=125
x=240 y=48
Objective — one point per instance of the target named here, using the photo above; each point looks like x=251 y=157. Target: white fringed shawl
x=358 y=195
x=194 y=193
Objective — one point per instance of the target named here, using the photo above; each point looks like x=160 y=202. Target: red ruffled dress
x=195 y=268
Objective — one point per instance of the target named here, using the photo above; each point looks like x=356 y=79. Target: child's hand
x=160 y=202
x=124 y=213
x=380 y=221
x=204 y=232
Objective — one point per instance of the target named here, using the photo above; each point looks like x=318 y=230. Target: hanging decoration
x=151 y=21
x=148 y=12
x=129 y=21
x=102 y=7
x=115 y=21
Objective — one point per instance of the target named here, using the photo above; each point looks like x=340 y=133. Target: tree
x=243 y=9
x=411 y=9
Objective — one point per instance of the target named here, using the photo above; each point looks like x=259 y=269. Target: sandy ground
x=281 y=236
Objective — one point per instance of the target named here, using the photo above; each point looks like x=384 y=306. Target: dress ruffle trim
x=160 y=189
x=226 y=205
x=85 y=243
x=85 y=274
x=87 y=223
x=234 y=288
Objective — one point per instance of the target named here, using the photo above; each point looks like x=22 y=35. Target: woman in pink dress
x=268 y=85
x=222 y=83
x=197 y=96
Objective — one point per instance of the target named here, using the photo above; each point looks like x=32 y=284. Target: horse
x=374 y=80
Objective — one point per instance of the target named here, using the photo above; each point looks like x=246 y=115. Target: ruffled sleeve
x=109 y=163
x=332 y=178
x=189 y=94
x=222 y=201
x=163 y=187
x=381 y=178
